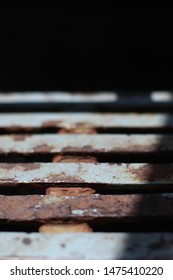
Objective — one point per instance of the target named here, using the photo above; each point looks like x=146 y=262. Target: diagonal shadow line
x=154 y=245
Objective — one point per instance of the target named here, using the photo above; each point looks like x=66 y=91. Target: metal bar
x=45 y=97
x=79 y=143
x=95 y=120
x=137 y=96
x=155 y=207
x=98 y=246
x=86 y=173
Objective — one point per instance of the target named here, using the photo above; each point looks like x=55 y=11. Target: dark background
x=85 y=48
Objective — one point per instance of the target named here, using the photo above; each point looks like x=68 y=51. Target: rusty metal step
x=86 y=144
x=116 y=175
x=78 y=165
x=95 y=207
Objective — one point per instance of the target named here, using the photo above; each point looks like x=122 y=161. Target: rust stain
x=30 y=166
x=69 y=191
x=54 y=123
x=141 y=148
x=61 y=158
x=142 y=173
x=87 y=148
x=7 y=166
x=79 y=128
x=153 y=172
x=20 y=137
x=24 y=166
x=62 y=177
x=44 y=148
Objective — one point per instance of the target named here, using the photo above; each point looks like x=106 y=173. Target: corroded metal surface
x=98 y=246
x=52 y=143
x=79 y=120
x=71 y=187
x=86 y=173
x=89 y=207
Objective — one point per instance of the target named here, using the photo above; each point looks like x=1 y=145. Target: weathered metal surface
x=45 y=97
x=80 y=204
x=98 y=246
x=85 y=120
x=65 y=227
x=52 y=143
x=155 y=207
x=86 y=173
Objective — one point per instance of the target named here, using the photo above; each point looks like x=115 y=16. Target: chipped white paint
x=71 y=120
x=53 y=143
x=100 y=173
x=94 y=210
x=78 y=212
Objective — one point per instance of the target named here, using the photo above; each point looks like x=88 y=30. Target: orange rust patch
x=62 y=228
x=78 y=129
x=51 y=123
x=60 y=158
x=69 y=191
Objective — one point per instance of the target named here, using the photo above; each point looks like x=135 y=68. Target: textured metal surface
x=87 y=246
x=91 y=173
x=73 y=120
x=83 y=192
x=52 y=143
x=90 y=207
